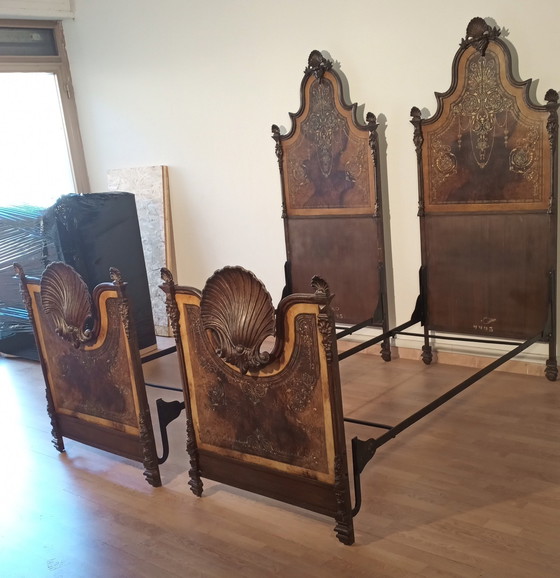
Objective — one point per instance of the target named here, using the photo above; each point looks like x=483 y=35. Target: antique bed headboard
x=331 y=192
x=267 y=420
x=91 y=364
x=487 y=167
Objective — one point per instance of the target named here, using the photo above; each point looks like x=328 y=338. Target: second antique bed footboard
x=269 y=422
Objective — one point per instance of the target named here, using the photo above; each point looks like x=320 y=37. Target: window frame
x=60 y=67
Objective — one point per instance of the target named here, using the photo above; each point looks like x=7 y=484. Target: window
x=41 y=155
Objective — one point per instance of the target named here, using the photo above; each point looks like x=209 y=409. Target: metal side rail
x=158 y=353
x=354 y=328
x=363 y=451
x=378 y=339
x=437 y=336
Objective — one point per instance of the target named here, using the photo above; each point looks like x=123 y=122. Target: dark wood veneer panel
x=345 y=252
x=488 y=274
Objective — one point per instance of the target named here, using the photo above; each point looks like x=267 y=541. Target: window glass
x=41 y=153
x=27 y=42
x=35 y=163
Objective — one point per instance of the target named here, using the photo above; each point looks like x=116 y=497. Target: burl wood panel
x=92 y=383
x=489 y=147
x=487 y=163
x=91 y=364
x=329 y=173
x=268 y=421
x=281 y=420
x=327 y=159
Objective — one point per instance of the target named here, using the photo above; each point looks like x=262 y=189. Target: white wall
x=196 y=85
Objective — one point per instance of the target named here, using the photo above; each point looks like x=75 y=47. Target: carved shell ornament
x=237 y=311
x=65 y=297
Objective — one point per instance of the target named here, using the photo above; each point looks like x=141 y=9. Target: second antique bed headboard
x=487 y=163
x=329 y=168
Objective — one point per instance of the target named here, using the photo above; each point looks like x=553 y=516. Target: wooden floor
x=473 y=490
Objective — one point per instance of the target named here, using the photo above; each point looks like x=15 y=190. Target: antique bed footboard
x=91 y=364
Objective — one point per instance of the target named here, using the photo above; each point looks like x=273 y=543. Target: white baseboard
x=468 y=354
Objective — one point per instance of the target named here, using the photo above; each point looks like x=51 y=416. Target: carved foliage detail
x=324 y=321
x=170 y=302
x=418 y=138
x=344 y=527
x=24 y=292
x=195 y=483
x=551 y=98
x=150 y=461
x=278 y=148
x=124 y=313
x=237 y=311
x=124 y=310
x=65 y=297
x=372 y=125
